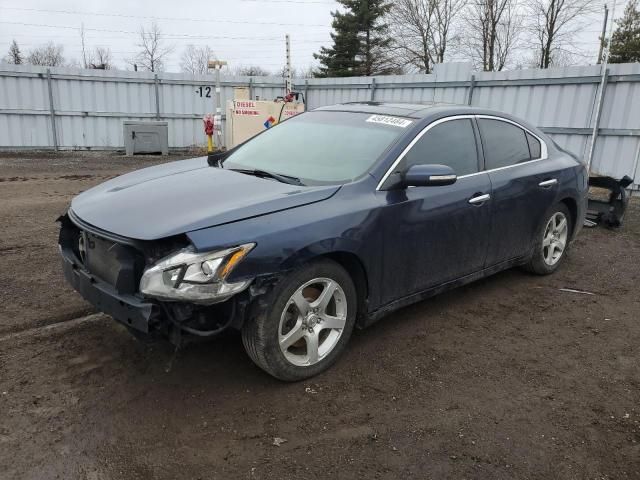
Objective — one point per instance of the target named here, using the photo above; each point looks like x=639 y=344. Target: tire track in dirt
x=52 y=326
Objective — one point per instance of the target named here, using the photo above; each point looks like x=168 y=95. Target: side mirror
x=428 y=175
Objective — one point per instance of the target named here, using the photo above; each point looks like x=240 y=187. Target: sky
x=243 y=32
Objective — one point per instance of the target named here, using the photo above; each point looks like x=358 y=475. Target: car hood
x=183 y=196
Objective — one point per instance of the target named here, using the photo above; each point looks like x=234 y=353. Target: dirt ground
x=506 y=378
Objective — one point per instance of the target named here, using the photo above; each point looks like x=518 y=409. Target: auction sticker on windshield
x=393 y=121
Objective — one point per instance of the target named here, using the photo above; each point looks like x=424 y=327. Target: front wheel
x=552 y=241
x=307 y=323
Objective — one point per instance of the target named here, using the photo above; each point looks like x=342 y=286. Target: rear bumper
x=129 y=310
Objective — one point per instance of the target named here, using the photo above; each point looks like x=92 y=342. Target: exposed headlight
x=195 y=277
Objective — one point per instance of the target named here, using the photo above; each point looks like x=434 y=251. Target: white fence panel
x=89 y=106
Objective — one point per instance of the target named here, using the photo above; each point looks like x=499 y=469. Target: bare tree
x=100 y=59
x=49 y=55
x=423 y=29
x=251 y=71
x=295 y=72
x=562 y=57
x=411 y=24
x=15 y=55
x=152 y=50
x=507 y=35
x=493 y=30
x=194 y=59
x=554 y=24
x=74 y=63
x=307 y=72
x=446 y=13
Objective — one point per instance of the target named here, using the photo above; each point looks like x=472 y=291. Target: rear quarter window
x=534 y=146
x=504 y=143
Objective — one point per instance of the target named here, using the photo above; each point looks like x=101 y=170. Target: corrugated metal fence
x=84 y=109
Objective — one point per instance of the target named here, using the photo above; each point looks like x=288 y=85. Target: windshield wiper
x=276 y=176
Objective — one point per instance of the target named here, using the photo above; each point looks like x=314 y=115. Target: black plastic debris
x=608 y=211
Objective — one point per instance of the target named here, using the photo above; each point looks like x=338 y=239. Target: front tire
x=552 y=241
x=305 y=324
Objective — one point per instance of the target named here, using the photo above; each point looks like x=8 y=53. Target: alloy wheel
x=555 y=237
x=312 y=321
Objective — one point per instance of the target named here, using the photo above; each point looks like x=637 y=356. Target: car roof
x=425 y=112
x=409 y=110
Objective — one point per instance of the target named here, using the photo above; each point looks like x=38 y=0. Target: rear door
x=524 y=185
x=437 y=234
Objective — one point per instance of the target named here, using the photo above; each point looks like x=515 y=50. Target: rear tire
x=303 y=325
x=552 y=241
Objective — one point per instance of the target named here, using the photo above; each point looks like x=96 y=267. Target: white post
x=288 y=67
x=217 y=65
x=603 y=83
x=634 y=170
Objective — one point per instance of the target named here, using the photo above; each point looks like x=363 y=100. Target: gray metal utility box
x=146 y=137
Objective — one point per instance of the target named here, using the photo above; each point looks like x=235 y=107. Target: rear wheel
x=552 y=241
x=307 y=323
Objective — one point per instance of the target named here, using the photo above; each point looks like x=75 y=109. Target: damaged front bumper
x=107 y=269
x=106 y=272
x=176 y=321
x=132 y=311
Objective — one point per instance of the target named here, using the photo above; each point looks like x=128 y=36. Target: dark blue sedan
x=325 y=222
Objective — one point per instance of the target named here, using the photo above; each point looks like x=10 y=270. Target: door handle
x=548 y=183
x=479 y=199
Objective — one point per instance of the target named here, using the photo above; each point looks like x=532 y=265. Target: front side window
x=504 y=143
x=320 y=147
x=450 y=143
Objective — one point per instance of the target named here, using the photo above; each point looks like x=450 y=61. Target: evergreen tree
x=360 y=41
x=15 y=55
x=625 y=41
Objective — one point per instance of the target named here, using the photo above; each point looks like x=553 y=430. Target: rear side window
x=504 y=143
x=450 y=143
x=534 y=146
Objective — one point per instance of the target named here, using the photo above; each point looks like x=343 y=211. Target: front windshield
x=320 y=147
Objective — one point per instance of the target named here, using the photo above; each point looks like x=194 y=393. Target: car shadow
x=223 y=358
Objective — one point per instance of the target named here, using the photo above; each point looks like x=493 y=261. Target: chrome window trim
x=543 y=145
x=502 y=168
x=415 y=140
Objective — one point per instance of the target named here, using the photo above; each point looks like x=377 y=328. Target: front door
x=437 y=234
